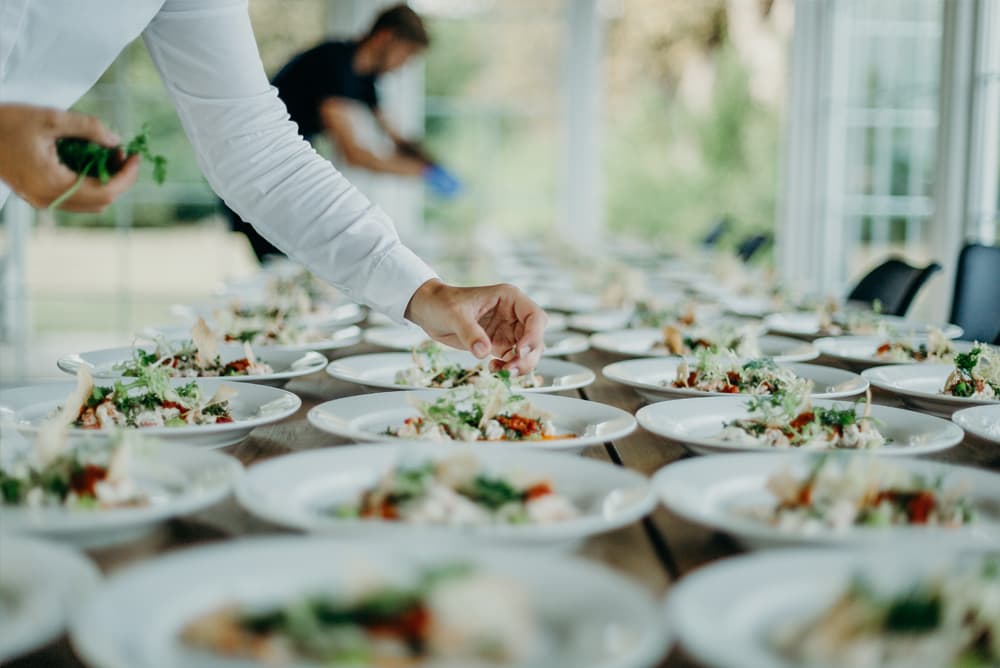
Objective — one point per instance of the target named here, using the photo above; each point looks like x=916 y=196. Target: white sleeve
x=255 y=159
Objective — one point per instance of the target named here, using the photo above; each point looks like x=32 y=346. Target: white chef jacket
x=53 y=51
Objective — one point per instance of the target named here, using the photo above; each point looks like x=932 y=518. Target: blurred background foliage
x=690 y=133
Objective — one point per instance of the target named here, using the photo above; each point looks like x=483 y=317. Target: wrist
x=426 y=294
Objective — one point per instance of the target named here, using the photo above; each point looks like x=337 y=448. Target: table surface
x=655 y=552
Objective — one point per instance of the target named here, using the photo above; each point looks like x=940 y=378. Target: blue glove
x=442 y=182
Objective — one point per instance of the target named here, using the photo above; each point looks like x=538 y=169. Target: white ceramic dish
x=118 y=628
x=647 y=375
x=379 y=371
x=858 y=352
x=806 y=324
x=42 y=584
x=330 y=316
x=366 y=417
x=717 y=492
x=645 y=342
x=726 y=613
x=601 y=321
x=341 y=338
x=696 y=423
x=27 y=408
x=286 y=364
x=178 y=480
x=298 y=490
x=406 y=338
x=980 y=421
x=919 y=385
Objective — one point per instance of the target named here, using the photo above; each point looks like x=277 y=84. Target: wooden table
x=655 y=552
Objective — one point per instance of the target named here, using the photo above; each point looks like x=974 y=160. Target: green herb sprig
x=102 y=162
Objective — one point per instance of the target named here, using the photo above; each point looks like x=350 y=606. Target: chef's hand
x=497 y=320
x=31 y=167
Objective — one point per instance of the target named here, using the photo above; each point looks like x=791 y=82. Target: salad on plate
x=839 y=493
x=726 y=372
x=197 y=358
x=457 y=491
x=89 y=476
x=432 y=369
x=741 y=340
x=147 y=401
x=381 y=625
x=787 y=419
x=945 y=620
x=936 y=349
x=976 y=374
x=484 y=411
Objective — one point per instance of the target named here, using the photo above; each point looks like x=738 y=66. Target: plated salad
x=839 y=493
x=724 y=371
x=976 y=374
x=92 y=475
x=432 y=369
x=944 y=621
x=787 y=419
x=936 y=349
x=484 y=411
x=835 y=320
x=650 y=314
x=147 y=401
x=197 y=358
x=740 y=340
x=455 y=616
x=457 y=491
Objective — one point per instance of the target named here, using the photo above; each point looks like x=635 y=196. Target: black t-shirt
x=321 y=72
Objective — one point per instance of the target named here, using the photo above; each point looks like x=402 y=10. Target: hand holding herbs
x=89 y=159
x=30 y=164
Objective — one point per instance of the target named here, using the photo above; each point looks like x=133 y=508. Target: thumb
x=472 y=336
x=72 y=124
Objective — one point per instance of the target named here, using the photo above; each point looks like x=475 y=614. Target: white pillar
x=583 y=193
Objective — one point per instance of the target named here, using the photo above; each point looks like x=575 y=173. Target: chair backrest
x=975 y=305
x=719 y=230
x=894 y=283
x=751 y=245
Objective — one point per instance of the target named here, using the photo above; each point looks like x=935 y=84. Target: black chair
x=752 y=245
x=975 y=306
x=719 y=230
x=894 y=284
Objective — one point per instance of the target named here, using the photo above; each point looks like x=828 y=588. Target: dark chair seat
x=975 y=306
x=894 y=283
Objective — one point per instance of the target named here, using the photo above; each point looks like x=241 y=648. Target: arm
x=253 y=156
x=336 y=119
x=406 y=147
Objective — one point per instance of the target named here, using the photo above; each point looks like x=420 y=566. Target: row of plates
x=116 y=626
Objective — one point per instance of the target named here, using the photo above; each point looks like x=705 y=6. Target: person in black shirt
x=321 y=85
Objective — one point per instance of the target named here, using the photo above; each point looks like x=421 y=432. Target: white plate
x=646 y=375
x=293 y=491
x=406 y=338
x=696 y=423
x=286 y=364
x=604 y=320
x=47 y=582
x=920 y=385
x=379 y=370
x=724 y=613
x=118 y=628
x=646 y=342
x=712 y=491
x=179 y=479
x=331 y=316
x=859 y=351
x=342 y=338
x=27 y=408
x=567 y=302
x=980 y=421
x=557 y=321
x=366 y=417
x=806 y=324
